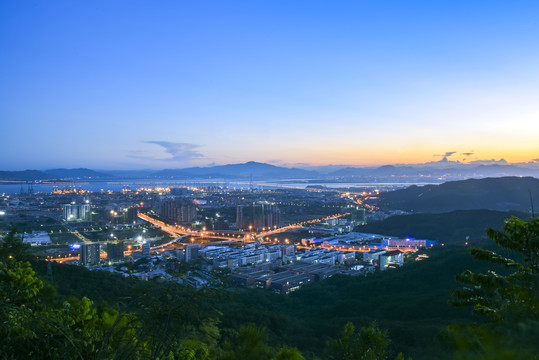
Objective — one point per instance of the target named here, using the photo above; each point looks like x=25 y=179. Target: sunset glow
x=194 y=84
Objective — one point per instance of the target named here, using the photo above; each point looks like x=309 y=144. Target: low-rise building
x=391 y=259
x=36 y=238
x=373 y=256
x=191 y=252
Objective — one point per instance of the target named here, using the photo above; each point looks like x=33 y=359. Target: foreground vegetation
x=52 y=316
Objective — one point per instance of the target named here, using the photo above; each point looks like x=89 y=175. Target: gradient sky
x=165 y=84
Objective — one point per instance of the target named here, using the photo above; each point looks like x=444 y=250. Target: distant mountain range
x=54 y=174
x=502 y=194
x=437 y=171
x=255 y=169
x=25 y=175
x=247 y=170
x=76 y=174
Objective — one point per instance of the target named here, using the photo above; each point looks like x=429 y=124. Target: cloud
x=446 y=155
x=179 y=151
x=287 y=164
x=489 y=162
x=467 y=155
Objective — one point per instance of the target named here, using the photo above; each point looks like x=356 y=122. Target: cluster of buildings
x=73 y=212
x=377 y=250
x=257 y=217
x=341 y=225
x=284 y=278
x=277 y=267
x=211 y=206
x=352 y=238
x=384 y=259
x=178 y=211
x=90 y=253
x=355 y=241
x=332 y=227
x=250 y=254
x=326 y=256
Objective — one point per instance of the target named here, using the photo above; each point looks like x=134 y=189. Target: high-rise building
x=182 y=212
x=257 y=217
x=115 y=250
x=76 y=212
x=187 y=213
x=240 y=222
x=179 y=191
x=357 y=216
x=89 y=254
x=272 y=216
x=131 y=215
x=191 y=252
x=146 y=249
x=168 y=209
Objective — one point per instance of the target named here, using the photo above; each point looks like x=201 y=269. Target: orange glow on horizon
x=413 y=156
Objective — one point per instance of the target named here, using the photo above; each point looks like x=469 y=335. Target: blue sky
x=165 y=84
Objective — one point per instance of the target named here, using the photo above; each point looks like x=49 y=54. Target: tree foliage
x=504 y=297
x=144 y=320
x=12 y=247
x=370 y=343
x=31 y=328
x=510 y=300
x=289 y=353
x=249 y=343
x=35 y=325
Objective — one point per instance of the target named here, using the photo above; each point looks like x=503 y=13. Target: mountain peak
x=244 y=170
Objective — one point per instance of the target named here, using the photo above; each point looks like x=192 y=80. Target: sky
x=112 y=84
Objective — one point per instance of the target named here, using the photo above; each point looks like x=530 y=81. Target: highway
x=80 y=236
x=179 y=231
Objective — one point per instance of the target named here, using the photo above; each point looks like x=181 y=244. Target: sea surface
x=104 y=186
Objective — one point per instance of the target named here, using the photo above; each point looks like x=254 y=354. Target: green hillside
x=503 y=194
x=413 y=297
x=449 y=228
x=411 y=302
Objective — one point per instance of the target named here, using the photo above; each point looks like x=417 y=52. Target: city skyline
x=139 y=85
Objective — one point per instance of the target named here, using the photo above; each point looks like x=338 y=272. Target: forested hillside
x=503 y=194
x=449 y=228
x=415 y=296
